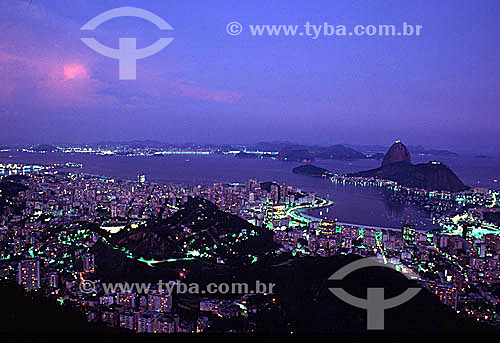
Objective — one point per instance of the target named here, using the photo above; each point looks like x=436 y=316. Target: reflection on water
x=371 y=206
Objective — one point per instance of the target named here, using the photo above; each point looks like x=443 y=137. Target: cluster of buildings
x=463 y=270
x=138 y=149
x=45 y=248
x=7 y=169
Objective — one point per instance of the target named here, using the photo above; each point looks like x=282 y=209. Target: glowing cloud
x=74 y=71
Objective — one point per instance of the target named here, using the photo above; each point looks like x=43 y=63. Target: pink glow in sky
x=439 y=89
x=74 y=71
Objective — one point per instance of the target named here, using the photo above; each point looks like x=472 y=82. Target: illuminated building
x=328 y=227
x=275 y=193
x=109 y=317
x=208 y=305
x=466 y=231
x=408 y=232
x=283 y=193
x=186 y=326
x=107 y=299
x=492 y=245
x=147 y=322
x=114 y=211
x=275 y=215
x=88 y=263
x=127 y=320
x=165 y=324
x=28 y=274
x=202 y=323
x=119 y=210
x=53 y=280
x=126 y=299
x=369 y=239
x=252 y=185
x=447 y=294
x=158 y=301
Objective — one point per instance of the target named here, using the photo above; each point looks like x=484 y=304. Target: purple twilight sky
x=440 y=89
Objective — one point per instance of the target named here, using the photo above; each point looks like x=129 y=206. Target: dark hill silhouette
x=338 y=152
x=432 y=176
x=291 y=154
x=304 y=303
x=310 y=170
x=207 y=225
x=24 y=312
x=398 y=152
x=397 y=166
x=308 y=305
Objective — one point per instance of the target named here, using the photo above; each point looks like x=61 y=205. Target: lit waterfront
x=376 y=210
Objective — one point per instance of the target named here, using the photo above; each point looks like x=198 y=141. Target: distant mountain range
x=301 y=153
x=45 y=148
x=414 y=149
x=333 y=152
x=289 y=151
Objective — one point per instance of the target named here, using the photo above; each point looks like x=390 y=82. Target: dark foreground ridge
x=303 y=302
x=30 y=313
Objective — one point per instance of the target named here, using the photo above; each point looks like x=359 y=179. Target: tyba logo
x=127 y=54
x=375 y=304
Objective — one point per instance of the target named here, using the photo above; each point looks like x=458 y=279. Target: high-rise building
x=147 y=322
x=110 y=318
x=114 y=210
x=126 y=299
x=466 y=231
x=283 y=193
x=275 y=193
x=408 y=232
x=202 y=323
x=53 y=280
x=107 y=299
x=160 y=301
x=165 y=324
x=252 y=185
x=88 y=263
x=28 y=274
x=127 y=320
x=328 y=227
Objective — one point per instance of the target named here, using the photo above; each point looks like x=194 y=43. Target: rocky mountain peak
x=398 y=152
